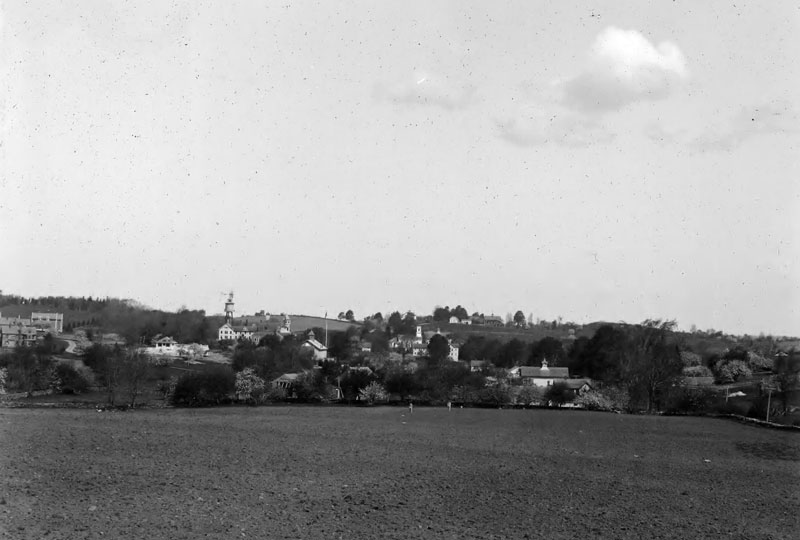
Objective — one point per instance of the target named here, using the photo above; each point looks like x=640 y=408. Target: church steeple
x=229 y=309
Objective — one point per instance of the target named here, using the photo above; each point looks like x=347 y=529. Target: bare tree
x=111 y=371
x=135 y=366
x=786 y=378
x=650 y=363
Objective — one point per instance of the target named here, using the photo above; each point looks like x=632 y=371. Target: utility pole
x=769 y=399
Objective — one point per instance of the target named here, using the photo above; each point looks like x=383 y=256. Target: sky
x=623 y=161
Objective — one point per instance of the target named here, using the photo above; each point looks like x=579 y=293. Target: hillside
x=72 y=317
x=504 y=334
x=299 y=323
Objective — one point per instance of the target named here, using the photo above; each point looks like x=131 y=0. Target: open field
x=366 y=473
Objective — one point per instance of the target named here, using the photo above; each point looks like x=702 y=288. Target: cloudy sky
x=614 y=162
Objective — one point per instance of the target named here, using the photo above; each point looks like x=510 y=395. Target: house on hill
x=489 y=320
x=14 y=333
x=230 y=332
x=164 y=344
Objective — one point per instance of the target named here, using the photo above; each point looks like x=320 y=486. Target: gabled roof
x=241 y=329
x=316 y=344
x=288 y=377
x=544 y=373
x=575 y=384
x=17 y=329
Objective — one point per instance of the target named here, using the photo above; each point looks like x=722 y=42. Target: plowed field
x=371 y=473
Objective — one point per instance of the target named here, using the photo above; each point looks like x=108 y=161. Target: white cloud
x=537 y=125
x=428 y=89
x=624 y=67
x=749 y=122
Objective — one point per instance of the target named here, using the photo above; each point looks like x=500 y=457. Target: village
x=448 y=356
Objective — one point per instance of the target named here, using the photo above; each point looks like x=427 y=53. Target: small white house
x=320 y=350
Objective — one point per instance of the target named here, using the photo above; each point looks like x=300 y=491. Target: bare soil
x=367 y=473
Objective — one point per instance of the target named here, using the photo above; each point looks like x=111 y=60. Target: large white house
x=540 y=376
x=233 y=333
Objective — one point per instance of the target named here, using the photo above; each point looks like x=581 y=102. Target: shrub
x=697 y=371
x=201 y=389
x=733 y=407
x=374 y=392
x=530 y=395
x=497 y=395
x=158 y=360
x=249 y=386
x=54 y=381
x=691 y=359
x=756 y=362
x=690 y=400
x=68 y=380
x=3 y=380
x=273 y=394
x=594 y=401
x=758 y=408
x=557 y=394
x=728 y=371
x=167 y=388
x=463 y=394
x=618 y=396
x=312 y=387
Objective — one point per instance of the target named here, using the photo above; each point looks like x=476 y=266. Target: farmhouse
x=493 y=320
x=230 y=332
x=579 y=386
x=18 y=332
x=164 y=343
x=541 y=376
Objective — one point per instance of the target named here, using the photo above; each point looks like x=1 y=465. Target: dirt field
x=352 y=473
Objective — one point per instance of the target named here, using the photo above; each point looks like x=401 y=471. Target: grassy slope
x=24 y=311
x=508 y=333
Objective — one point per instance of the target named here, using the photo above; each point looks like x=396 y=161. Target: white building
x=320 y=350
